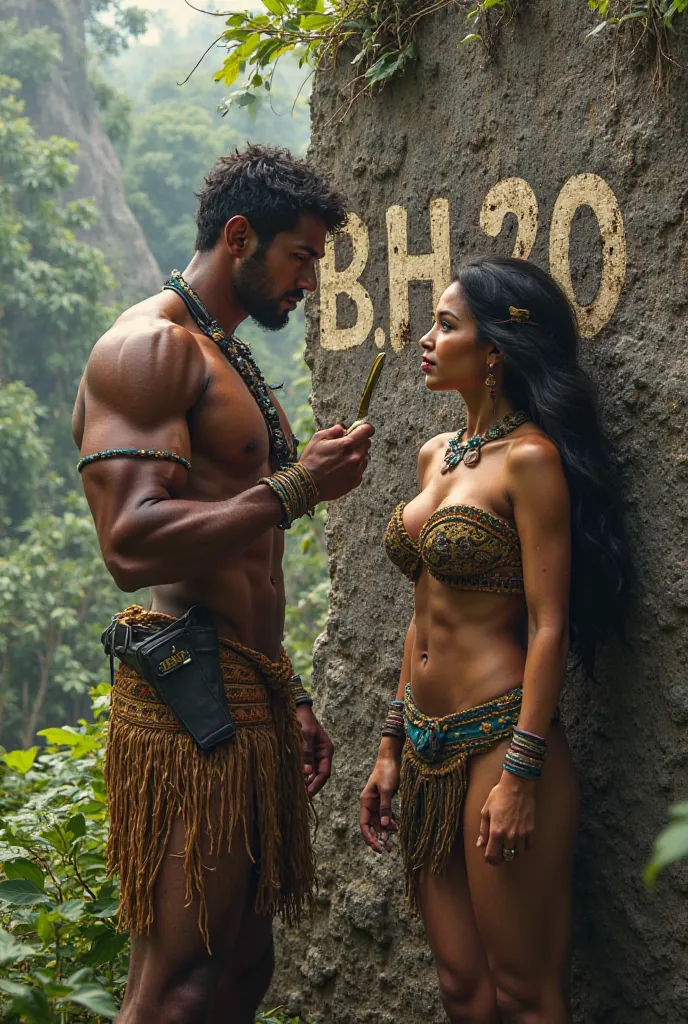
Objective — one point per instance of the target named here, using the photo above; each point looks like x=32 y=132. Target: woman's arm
x=541 y=510
x=540 y=498
x=390 y=746
x=377 y=819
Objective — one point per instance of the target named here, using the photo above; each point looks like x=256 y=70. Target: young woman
x=515 y=548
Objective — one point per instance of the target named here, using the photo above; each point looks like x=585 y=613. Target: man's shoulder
x=143 y=336
x=146 y=350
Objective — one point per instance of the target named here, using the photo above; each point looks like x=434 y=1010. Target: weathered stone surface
x=62 y=104
x=451 y=129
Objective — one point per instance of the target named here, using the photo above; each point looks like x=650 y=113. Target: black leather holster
x=182 y=664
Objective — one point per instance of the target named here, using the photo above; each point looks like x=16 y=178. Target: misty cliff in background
x=59 y=101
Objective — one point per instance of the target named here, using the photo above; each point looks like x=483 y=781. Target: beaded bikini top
x=461 y=546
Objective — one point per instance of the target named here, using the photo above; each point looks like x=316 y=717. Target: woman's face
x=453 y=358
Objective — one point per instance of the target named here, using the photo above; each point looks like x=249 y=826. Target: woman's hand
x=507 y=821
x=377 y=820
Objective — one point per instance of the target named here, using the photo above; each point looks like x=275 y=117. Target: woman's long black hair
x=542 y=376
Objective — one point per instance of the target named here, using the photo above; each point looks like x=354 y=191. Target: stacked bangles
x=526 y=755
x=295 y=490
x=299 y=692
x=394 y=722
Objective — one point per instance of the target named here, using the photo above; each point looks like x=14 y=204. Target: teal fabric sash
x=435 y=740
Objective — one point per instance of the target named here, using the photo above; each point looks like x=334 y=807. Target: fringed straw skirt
x=156 y=774
x=434 y=777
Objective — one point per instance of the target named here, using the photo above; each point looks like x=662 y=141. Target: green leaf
x=13 y=988
x=284 y=48
x=384 y=67
x=45 y=927
x=229 y=72
x=12 y=950
x=59 y=737
x=31 y=1003
x=84 y=976
x=57 y=839
x=96 y=999
x=66 y=738
x=22 y=867
x=105 y=948
x=472 y=37
x=671 y=845
x=275 y=6
x=632 y=16
x=52 y=988
x=103 y=908
x=314 y=22
x=19 y=892
x=72 y=910
x=247 y=47
x=20 y=760
x=77 y=826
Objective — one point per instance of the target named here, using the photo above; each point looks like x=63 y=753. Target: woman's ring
x=508 y=854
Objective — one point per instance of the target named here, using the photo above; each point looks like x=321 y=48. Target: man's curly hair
x=271 y=189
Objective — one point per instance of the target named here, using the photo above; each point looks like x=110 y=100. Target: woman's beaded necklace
x=240 y=357
x=468 y=451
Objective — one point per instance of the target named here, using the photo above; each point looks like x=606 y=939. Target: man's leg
x=173 y=979
x=248 y=972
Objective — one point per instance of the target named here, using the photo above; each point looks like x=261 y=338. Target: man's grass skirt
x=155 y=774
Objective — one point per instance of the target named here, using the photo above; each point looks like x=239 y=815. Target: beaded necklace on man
x=239 y=356
x=468 y=451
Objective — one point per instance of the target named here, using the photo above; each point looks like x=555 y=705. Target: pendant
x=469 y=452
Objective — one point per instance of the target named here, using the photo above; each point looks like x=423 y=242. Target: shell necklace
x=468 y=451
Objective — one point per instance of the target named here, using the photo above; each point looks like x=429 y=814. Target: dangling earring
x=491 y=383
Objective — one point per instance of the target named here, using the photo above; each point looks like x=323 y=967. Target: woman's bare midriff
x=469 y=647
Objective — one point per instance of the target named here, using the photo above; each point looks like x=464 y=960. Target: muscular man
x=181 y=430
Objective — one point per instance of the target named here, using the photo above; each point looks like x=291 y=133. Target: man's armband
x=132 y=453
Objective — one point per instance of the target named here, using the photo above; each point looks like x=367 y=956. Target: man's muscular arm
x=138 y=393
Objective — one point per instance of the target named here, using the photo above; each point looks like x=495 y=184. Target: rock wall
x=466 y=155
x=62 y=104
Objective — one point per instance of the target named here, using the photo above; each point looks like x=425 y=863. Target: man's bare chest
x=227 y=427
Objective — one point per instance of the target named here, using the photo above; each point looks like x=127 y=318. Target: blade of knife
x=370 y=385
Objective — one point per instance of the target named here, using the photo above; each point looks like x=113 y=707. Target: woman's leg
x=466 y=987
x=523 y=907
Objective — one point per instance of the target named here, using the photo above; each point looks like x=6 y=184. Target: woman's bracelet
x=295 y=490
x=526 y=755
x=394 y=722
x=299 y=692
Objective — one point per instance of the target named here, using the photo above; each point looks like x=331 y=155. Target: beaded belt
x=435 y=740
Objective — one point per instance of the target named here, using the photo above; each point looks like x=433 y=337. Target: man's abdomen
x=247 y=602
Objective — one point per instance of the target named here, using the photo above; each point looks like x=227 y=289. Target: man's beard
x=253 y=287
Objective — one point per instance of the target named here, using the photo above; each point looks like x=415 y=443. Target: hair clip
x=521 y=316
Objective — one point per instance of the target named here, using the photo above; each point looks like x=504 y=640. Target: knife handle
x=356 y=423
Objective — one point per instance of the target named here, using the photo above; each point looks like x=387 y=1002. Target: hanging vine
x=655 y=26
x=377 y=38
